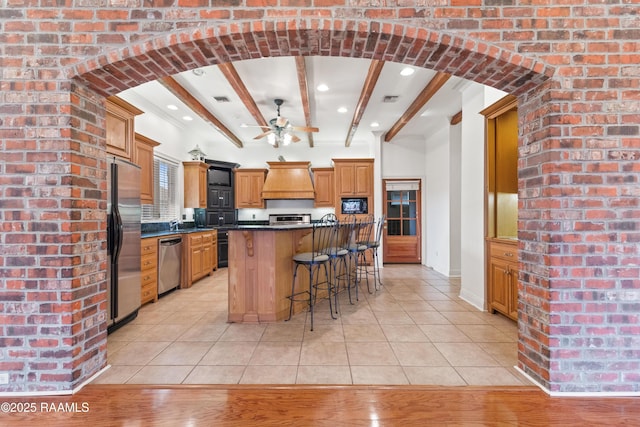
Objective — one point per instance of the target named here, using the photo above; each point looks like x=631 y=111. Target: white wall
x=455 y=198
x=437 y=194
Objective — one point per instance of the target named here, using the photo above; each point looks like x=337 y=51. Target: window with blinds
x=165 y=204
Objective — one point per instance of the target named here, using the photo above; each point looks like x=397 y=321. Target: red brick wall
x=578 y=226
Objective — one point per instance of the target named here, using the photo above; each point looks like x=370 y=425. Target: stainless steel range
x=289 y=219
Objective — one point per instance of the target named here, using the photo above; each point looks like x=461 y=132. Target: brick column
x=579 y=232
x=53 y=258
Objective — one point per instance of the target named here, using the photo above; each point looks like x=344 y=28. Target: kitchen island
x=261 y=271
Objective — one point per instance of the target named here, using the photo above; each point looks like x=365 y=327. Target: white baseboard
x=472 y=299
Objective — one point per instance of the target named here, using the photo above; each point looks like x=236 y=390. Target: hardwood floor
x=304 y=405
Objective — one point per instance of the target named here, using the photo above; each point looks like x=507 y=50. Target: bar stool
x=313 y=260
x=337 y=252
x=364 y=237
x=373 y=245
x=359 y=231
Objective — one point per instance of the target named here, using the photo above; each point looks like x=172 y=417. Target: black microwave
x=355 y=206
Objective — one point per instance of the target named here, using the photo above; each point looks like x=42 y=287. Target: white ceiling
x=270 y=78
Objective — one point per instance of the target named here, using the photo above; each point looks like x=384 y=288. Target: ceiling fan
x=280 y=130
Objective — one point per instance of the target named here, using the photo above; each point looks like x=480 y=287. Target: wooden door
x=402 y=236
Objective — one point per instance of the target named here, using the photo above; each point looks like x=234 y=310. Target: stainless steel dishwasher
x=169 y=262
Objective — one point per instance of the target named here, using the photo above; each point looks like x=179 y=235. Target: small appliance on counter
x=200 y=217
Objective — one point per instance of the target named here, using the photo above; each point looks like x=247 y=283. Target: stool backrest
x=324 y=233
x=365 y=230
x=379 y=227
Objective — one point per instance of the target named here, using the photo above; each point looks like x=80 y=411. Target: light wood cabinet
x=354 y=177
x=248 y=188
x=149 y=270
x=503 y=277
x=201 y=255
x=119 y=125
x=143 y=157
x=195 y=184
x=501 y=200
x=324 y=186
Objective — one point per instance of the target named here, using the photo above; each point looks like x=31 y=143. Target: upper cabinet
x=502 y=168
x=143 y=157
x=354 y=177
x=324 y=185
x=120 y=127
x=248 y=188
x=195 y=184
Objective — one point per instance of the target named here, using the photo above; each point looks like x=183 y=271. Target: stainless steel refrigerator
x=123 y=242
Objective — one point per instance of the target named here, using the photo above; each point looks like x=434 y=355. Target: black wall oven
x=221 y=211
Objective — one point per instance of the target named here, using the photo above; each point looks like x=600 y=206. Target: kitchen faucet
x=173 y=225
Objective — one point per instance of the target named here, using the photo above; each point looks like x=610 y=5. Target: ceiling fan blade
x=262 y=135
x=305 y=129
x=295 y=138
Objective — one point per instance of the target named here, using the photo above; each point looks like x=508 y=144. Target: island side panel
x=237 y=270
x=261 y=272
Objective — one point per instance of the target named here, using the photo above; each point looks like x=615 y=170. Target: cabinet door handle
x=508 y=254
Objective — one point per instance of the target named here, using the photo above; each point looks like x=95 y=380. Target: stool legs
x=311 y=291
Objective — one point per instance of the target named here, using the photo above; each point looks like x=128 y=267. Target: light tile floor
x=414 y=330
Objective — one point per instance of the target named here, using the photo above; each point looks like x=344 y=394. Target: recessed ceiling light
x=407 y=71
x=375 y=124
x=172 y=107
x=322 y=87
x=187 y=118
x=342 y=110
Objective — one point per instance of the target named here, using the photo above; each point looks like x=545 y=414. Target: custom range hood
x=288 y=180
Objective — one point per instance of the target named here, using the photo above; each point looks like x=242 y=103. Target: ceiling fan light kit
x=280 y=131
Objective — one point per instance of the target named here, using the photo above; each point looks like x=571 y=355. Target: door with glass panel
x=401 y=238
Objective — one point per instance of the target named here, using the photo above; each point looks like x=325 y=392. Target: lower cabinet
x=149 y=270
x=503 y=278
x=201 y=255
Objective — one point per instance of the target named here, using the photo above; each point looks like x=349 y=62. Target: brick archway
x=165 y=55
x=577 y=168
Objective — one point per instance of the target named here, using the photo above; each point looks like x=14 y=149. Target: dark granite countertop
x=164 y=233
x=272 y=227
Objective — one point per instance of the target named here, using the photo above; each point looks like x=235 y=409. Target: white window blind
x=165 y=205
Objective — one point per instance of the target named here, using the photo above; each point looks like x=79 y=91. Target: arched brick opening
x=152 y=59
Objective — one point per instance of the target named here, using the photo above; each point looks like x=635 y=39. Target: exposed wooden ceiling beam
x=457 y=118
x=232 y=76
x=367 y=89
x=174 y=87
x=427 y=93
x=229 y=71
x=304 y=94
